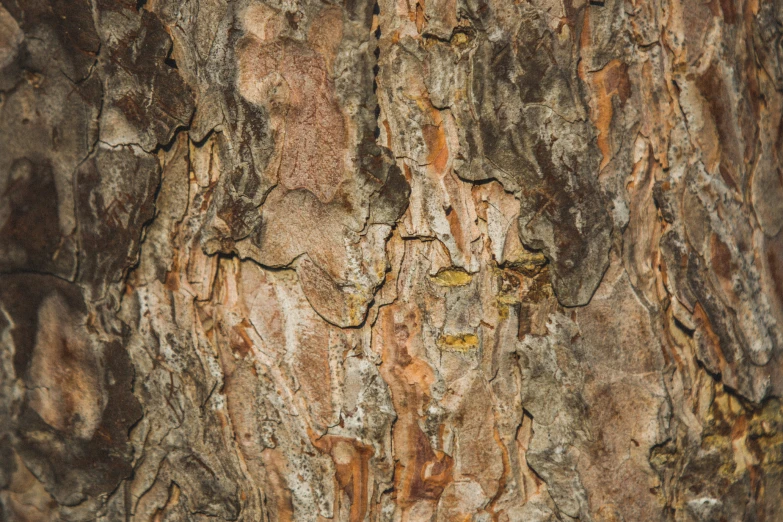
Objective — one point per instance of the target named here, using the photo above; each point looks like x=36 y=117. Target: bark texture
x=434 y=260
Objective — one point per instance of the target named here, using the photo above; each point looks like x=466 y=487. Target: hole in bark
x=687 y=331
x=293 y=19
x=171 y=62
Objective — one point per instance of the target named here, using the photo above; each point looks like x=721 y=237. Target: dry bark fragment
x=435 y=260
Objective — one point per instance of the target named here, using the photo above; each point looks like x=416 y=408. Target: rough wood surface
x=411 y=260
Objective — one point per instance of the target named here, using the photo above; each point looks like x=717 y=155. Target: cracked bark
x=438 y=260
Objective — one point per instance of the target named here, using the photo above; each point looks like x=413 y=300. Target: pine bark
x=413 y=260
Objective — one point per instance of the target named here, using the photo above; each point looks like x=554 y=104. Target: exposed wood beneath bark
x=416 y=260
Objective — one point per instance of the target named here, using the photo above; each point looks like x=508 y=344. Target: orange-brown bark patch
x=607 y=83
x=352 y=463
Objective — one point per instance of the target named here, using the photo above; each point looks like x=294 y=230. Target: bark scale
x=395 y=261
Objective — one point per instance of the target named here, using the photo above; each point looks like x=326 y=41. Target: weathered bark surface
x=439 y=260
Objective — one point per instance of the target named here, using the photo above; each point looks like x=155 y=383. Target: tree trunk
x=440 y=260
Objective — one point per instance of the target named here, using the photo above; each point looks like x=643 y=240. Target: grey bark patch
x=115 y=198
x=549 y=163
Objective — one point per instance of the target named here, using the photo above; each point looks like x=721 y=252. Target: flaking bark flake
x=423 y=260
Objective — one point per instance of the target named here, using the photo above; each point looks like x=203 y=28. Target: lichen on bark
x=375 y=260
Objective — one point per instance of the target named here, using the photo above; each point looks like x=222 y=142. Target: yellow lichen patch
x=462 y=343
x=765 y=431
x=460 y=38
x=451 y=277
x=745 y=437
x=355 y=306
x=527 y=262
x=508 y=299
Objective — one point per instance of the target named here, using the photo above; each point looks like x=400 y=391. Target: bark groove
x=375 y=260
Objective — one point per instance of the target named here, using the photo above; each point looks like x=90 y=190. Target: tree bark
x=433 y=260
